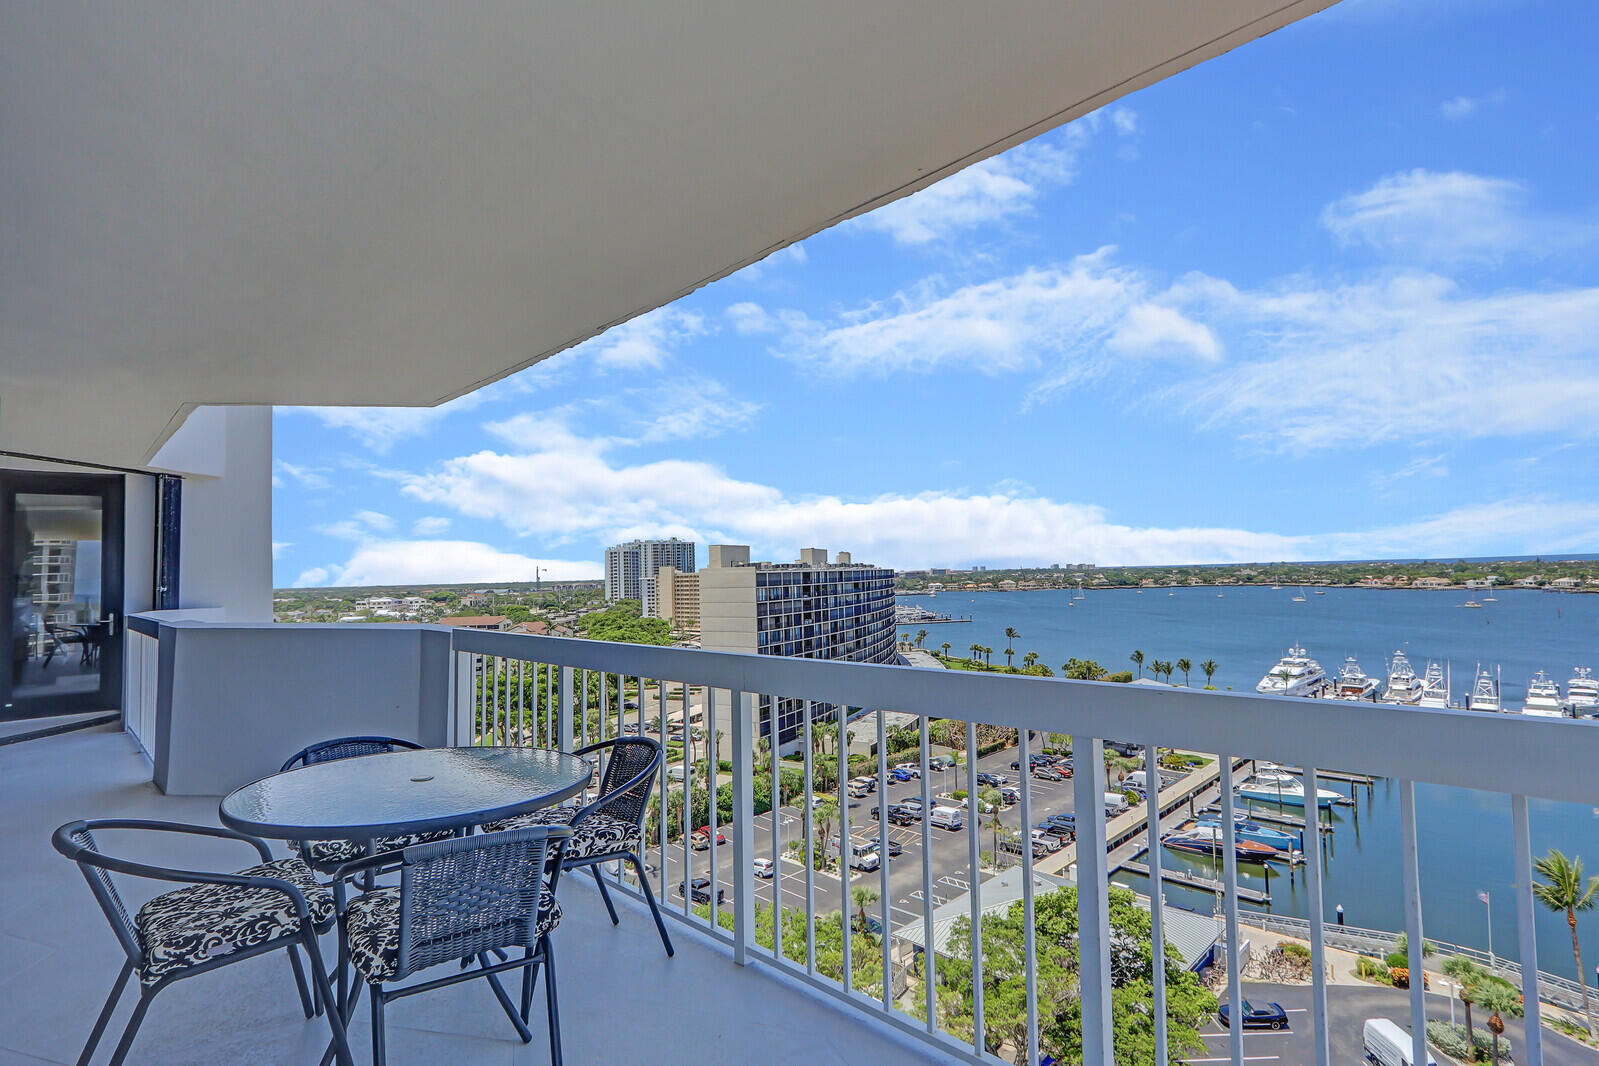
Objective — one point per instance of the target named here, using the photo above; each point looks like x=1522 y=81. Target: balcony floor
x=621 y=998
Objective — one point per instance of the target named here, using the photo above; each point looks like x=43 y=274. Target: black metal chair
x=220 y=918
x=466 y=897
x=326 y=856
x=611 y=828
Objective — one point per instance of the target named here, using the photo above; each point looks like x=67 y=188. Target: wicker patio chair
x=475 y=896
x=218 y=919
x=325 y=856
x=611 y=827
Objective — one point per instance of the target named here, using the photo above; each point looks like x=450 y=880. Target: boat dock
x=1189 y=880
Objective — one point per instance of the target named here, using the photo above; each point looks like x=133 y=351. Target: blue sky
x=1332 y=295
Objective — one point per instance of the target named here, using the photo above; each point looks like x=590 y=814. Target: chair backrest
x=346 y=748
x=467 y=895
x=76 y=841
x=632 y=759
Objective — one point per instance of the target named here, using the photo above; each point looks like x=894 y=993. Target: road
x=1348 y=1007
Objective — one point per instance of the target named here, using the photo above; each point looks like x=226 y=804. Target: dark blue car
x=1257 y=1015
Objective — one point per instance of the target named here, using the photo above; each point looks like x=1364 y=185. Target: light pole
x=1492 y=962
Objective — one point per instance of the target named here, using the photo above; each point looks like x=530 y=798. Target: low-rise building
x=477 y=621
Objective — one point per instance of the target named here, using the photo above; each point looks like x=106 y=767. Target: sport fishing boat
x=1271 y=785
x=1484 y=693
x=1296 y=674
x=1403 y=684
x=1208 y=840
x=1543 y=698
x=1434 y=687
x=1260 y=834
x=1354 y=684
x=1582 y=694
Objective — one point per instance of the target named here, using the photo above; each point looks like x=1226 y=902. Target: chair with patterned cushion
x=325 y=856
x=468 y=897
x=610 y=828
x=217 y=919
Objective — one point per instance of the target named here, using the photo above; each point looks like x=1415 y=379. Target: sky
x=1332 y=295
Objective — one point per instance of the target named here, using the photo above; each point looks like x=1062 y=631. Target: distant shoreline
x=1263 y=585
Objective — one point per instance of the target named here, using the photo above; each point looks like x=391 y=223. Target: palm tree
x=1029 y=659
x=1498 y=995
x=864 y=897
x=1010 y=641
x=988 y=656
x=946 y=649
x=994 y=800
x=977 y=651
x=823 y=817
x=1563 y=889
x=905 y=638
x=1209 y=666
x=1466 y=974
x=1185 y=665
x=921 y=635
x=1138 y=660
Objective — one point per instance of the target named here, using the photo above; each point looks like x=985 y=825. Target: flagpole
x=1492 y=962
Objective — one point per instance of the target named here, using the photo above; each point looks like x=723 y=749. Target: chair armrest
x=201 y=877
x=380 y=862
x=150 y=825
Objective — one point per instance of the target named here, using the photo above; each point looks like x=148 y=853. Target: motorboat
x=1472 y=603
x=1277 y=786
x=1434 y=687
x=1296 y=674
x=1300 y=597
x=1484 y=693
x=1208 y=840
x=1260 y=834
x=1543 y=698
x=1354 y=684
x=1403 y=684
x=1582 y=693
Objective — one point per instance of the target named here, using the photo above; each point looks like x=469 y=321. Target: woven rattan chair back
x=462 y=897
x=347 y=748
x=629 y=757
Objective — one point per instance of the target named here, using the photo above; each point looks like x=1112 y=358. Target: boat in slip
x=1582 y=694
x=1485 y=692
x=1208 y=840
x=1434 y=686
x=1403 y=684
x=1286 y=843
x=1296 y=674
x=1279 y=786
x=1543 y=698
x=1354 y=684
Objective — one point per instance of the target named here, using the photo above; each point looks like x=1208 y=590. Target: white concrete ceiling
x=312 y=203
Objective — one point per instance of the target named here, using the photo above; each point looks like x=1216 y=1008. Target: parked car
x=1386 y=1043
x=700 y=891
x=895 y=848
x=1009 y=795
x=951 y=818
x=941 y=762
x=992 y=780
x=911 y=768
x=700 y=839
x=858 y=791
x=1033 y=762
x=630 y=705
x=900 y=814
x=899 y=773
x=764 y=868
x=1255 y=1015
x=862 y=856
x=867 y=783
x=1048 y=773
x=1048 y=842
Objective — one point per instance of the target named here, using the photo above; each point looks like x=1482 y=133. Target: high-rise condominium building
x=809 y=609
x=631 y=568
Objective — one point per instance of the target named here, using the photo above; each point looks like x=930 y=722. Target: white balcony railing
x=526 y=690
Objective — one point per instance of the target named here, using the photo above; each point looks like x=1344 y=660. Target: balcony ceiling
x=288 y=203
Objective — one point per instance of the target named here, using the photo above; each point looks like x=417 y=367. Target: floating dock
x=1204 y=884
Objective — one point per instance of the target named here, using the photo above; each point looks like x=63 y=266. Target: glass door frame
x=110 y=489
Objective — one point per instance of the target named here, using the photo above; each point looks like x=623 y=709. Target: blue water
x=1464 y=835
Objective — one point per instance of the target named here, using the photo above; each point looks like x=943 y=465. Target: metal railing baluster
x=810 y=848
x=1229 y=843
x=843 y=835
x=885 y=940
x=712 y=770
x=1157 y=895
x=742 y=708
x=1526 y=929
x=1093 y=896
x=1410 y=855
x=688 y=799
x=929 y=956
x=974 y=857
x=777 y=845
x=1024 y=749
x=1311 y=844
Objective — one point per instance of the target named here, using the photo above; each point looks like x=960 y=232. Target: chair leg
x=505 y=1000
x=299 y=981
x=133 y=1027
x=549 y=998
x=649 y=897
x=605 y=893
x=105 y=1014
x=530 y=973
x=379 y=1052
x=337 y=1009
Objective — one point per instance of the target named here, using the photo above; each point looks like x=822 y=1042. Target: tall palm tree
x=1138 y=660
x=863 y=897
x=1010 y=641
x=1563 y=889
x=1466 y=974
x=992 y=797
x=905 y=638
x=823 y=817
x=977 y=651
x=988 y=656
x=1185 y=665
x=1029 y=659
x=1209 y=666
x=946 y=649
x=1499 y=996
x=921 y=635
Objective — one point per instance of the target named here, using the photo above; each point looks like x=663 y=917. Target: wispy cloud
x=430 y=526
x=306 y=477
x=644 y=342
x=380 y=428
x=1457 y=108
x=279 y=547
x=363 y=525
x=424 y=562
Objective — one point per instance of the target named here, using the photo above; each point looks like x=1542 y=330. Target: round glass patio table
x=402 y=792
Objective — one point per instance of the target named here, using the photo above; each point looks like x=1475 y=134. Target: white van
x=1388 y=1045
x=1115 y=803
x=1135 y=780
x=947 y=817
x=675 y=773
x=861 y=856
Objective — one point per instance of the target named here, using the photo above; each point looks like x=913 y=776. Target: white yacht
x=1403 y=684
x=1273 y=784
x=1434 y=687
x=1582 y=693
x=1543 y=698
x=1296 y=674
x=1354 y=684
x=1485 y=693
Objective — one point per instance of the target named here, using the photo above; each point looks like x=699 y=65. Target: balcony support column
x=743 y=714
x=1093 y=896
x=1526 y=931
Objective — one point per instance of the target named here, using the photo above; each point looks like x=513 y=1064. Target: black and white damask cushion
x=326 y=854
x=597 y=834
x=191 y=925
x=373 y=925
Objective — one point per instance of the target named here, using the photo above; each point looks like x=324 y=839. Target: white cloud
x=379 y=428
x=1462 y=107
x=749 y=317
x=689 y=409
x=279 y=547
x=363 y=525
x=1150 y=329
x=423 y=562
x=1454 y=217
x=1421 y=466
x=375 y=520
x=430 y=526
x=311 y=578
x=306 y=476
x=995 y=189
x=643 y=342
